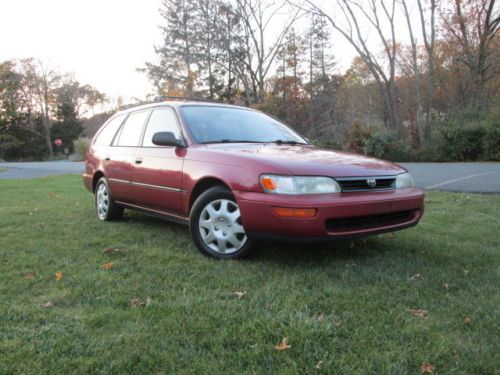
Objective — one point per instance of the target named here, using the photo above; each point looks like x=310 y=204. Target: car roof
x=179 y=103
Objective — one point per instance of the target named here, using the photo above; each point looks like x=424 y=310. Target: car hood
x=308 y=160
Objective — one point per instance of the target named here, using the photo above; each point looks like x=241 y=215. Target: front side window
x=131 y=131
x=224 y=124
x=108 y=132
x=161 y=120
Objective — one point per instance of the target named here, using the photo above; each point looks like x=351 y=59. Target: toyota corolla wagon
x=235 y=175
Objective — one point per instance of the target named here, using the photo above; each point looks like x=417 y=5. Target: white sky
x=101 y=41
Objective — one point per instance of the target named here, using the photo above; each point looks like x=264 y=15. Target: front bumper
x=365 y=213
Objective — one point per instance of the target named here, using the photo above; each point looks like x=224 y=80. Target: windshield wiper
x=230 y=141
x=286 y=142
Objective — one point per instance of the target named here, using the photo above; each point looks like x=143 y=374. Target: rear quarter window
x=132 y=129
x=108 y=131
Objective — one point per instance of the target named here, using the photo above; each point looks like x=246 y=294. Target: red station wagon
x=234 y=175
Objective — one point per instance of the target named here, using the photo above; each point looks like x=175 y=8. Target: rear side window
x=161 y=120
x=108 y=132
x=132 y=129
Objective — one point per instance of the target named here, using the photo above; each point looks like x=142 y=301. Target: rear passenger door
x=157 y=180
x=120 y=161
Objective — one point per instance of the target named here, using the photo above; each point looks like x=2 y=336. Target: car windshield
x=213 y=124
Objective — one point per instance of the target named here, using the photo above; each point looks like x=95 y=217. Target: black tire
x=113 y=211
x=218 y=195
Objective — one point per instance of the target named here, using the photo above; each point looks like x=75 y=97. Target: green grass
x=2 y=169
x=345 y=304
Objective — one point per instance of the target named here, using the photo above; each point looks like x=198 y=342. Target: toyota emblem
x=371 y=182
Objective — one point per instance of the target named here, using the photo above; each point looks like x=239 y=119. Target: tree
x=473 y=25
x=376 y=13
x=176 y=71
x=257 y=16
x=33 y=98
x=320 y=65
x=428 y=32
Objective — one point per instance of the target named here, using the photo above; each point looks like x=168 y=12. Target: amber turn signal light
x=301 y=213
x=268 y=183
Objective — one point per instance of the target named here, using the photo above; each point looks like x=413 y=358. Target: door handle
x=107 y=157
x=138 y=160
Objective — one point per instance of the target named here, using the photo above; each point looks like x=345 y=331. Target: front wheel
x=216 y=227
x=105 y=206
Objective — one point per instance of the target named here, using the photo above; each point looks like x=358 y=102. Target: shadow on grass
x=289 y=253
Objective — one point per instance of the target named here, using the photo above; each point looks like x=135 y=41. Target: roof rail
x=127 y=106
x=162 y=98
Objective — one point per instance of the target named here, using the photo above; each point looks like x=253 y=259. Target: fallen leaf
x=47 y=305
x=136 y=302
x=112 y=250
x=58 y=276
x=419 y=313
x=468 y=321
x=319 y=365
x=337 y=323
x=283 y=345
x=446 y=286
x=321 y=317
x=466 y=272
x=107 y=266
x=415 y=277
x=427 y=368
x=240 y=295
x=30 y=276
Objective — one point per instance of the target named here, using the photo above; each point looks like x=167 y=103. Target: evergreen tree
x=177 y=71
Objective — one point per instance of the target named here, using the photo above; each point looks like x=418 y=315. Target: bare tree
x=260 y=50
x=39 y=85
x=428 y=30
x=376 y=13
x=474 y=25
x=46 y=85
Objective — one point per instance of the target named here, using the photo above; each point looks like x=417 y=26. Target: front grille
x=368 y=222
x=367 y=183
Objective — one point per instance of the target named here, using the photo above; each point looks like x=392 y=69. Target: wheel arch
x=203 y=185
x=97 y=176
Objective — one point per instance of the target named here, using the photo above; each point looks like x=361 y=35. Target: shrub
x=357 y=135
x=491 y=141
x=461 y=141
x=81 y=146
x=326 y=143
x=378 y=141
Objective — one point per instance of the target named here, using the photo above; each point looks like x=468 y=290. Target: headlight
x=404 y=180
x=298 y=184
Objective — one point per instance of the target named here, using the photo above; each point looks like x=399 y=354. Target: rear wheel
x=105 y=206
x=216 y=227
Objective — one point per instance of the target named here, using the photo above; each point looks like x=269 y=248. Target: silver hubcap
x=102 y=201
x=220 y=226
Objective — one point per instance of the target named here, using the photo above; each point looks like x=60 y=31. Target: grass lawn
x=2 y=169
x=161 y=307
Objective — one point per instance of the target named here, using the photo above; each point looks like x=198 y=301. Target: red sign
x=58 y=142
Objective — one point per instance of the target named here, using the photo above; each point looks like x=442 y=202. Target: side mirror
x=166 y=139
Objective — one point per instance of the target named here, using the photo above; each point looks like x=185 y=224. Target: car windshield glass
x=223 y=124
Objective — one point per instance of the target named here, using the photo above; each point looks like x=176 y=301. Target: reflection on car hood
x=309 y=160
